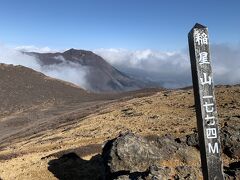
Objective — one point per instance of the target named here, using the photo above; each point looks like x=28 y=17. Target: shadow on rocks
x=233 y=171
x=71 y=166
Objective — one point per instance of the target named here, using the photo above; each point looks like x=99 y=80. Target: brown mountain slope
x=23 y=87
x=166 y=112
x=32 y=102
x=28 y=97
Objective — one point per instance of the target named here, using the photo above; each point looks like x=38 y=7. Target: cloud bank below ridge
x=172 y=69
x=169 y=69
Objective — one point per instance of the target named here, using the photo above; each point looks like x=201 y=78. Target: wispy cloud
x=15 y=57
x=31 y=48
x=226 y=63
x=67 y=71
x=172 y=69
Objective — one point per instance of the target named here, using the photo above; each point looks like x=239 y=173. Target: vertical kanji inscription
x=207 y=120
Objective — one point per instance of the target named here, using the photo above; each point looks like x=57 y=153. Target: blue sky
x=129 y=24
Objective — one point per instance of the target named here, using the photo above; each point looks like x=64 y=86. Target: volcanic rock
x=231 y=139
x=133 y=157
x=130 y=153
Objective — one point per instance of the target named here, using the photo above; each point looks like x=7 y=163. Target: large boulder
x=130 y=156
x=130 y=153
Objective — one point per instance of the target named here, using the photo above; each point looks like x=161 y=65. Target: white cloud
x=12 y=56
x=226 y=63
x=32 y=48
x=172 y=69
x=71 y=72
x=66 y=71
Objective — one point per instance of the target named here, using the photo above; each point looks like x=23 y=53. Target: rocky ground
x=162 y=125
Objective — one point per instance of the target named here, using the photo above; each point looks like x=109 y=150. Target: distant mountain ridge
x=101 y=76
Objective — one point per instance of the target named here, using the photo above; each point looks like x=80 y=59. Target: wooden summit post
x=205 y=104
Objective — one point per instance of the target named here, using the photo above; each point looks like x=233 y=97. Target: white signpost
x=207 y=120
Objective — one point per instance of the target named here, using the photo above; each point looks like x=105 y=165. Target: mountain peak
x=73 y=51
x=100 y=75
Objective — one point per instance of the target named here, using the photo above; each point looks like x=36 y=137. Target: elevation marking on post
x=205 y=103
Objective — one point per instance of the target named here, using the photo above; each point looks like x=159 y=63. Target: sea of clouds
x=169 y=69
x=172 y=69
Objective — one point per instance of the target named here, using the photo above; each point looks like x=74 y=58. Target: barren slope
x=166 y=112
x=32 y=102
x=24 y=88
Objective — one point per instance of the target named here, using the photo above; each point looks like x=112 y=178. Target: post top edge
x=199 y=26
